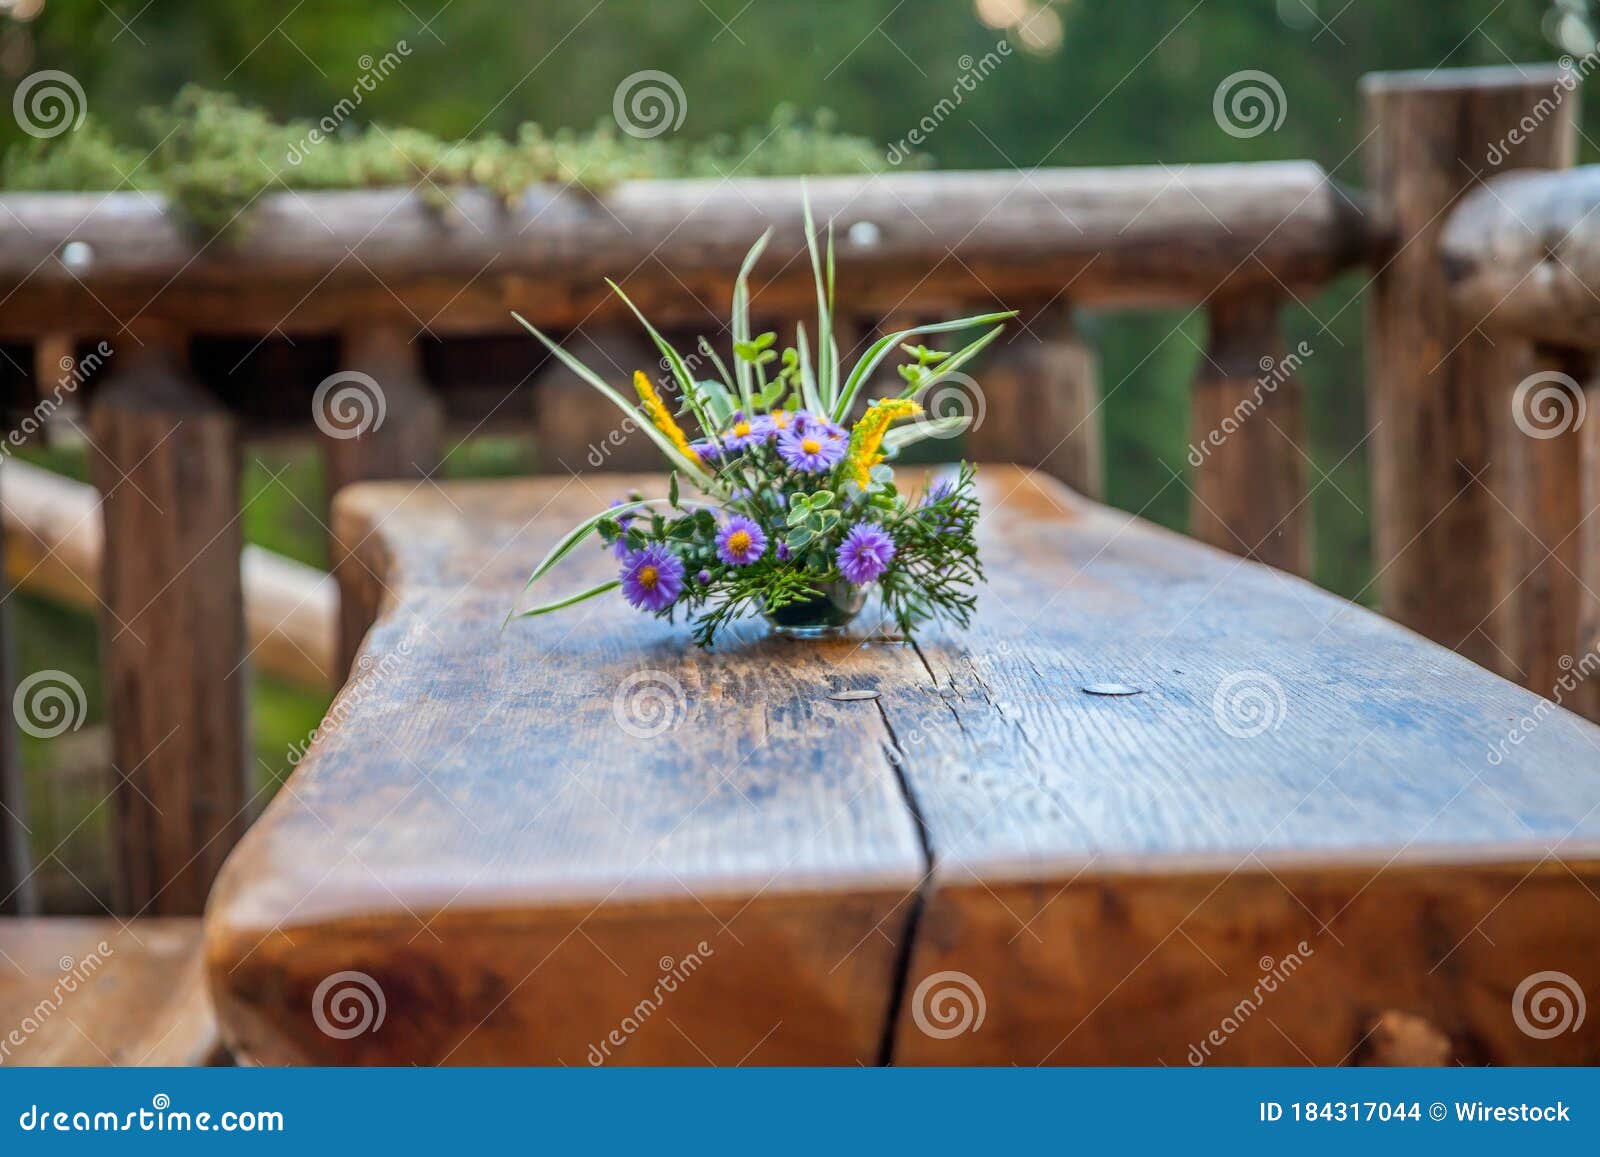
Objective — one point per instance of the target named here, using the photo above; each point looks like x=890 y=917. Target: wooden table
x=580 y=840
x=77 y=992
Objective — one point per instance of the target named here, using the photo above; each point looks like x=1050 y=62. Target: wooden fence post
x=1587 y=642
x=1248 y=448
x=18 y=893
x=577 y=429
x=1037 y=404
x=378 y=418
x=165 y=458
x=1435 y=384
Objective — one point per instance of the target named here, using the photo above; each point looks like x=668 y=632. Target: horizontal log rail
x=1122 y=236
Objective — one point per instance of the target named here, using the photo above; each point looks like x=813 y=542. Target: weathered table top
x=582 y=840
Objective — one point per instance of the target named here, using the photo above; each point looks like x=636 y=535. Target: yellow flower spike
x=866 y=437
x=661 y=417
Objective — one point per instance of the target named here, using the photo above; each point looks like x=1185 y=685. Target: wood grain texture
x=1437 y=388
x=1111 y=871
x=165 y=456
x=1139 y=234
x=1522 y=256
x=90 y=992
x=1541 y=526
x=477 y=834
x=1247 y=445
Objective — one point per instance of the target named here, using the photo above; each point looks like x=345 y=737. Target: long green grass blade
x=672 y=453
x=741 y=320
x=879 y=349
x=582 y=596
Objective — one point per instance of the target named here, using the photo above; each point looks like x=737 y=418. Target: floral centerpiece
x=796 y=515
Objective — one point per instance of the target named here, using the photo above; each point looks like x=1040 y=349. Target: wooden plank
x=1114 y=873
x=1139 y=234
x=477 y=835
x=518 y=838
x=165 y=456
x=91 y=992
x=1248 y=447
x=1435 y=385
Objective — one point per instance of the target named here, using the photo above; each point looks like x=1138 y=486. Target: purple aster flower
x=783 y=552
x=865 y=553
x=810 y=449
x=743 y=432
x=620 y=547
x=779 y=421
x=741 y=542
x=703 y=578
x=652 y=578
x=941 y=490
x=708 y=450
x=809 y=423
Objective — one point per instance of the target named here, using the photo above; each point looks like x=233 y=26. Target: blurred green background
x=1091 y=82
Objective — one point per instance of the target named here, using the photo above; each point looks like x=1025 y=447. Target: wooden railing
x=215 y=340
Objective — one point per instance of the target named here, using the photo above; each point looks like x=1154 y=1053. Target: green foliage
x=213 y=154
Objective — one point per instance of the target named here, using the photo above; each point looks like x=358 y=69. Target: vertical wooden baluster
x=1539 y=481
x=1586 y=652
x=388 y=424
x=165 y=456
x=1040 y=394
x=1435 y=385
x=580 y=430
x=18 y=894
x=1248 y=443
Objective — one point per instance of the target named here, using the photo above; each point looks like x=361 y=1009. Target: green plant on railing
x=213 y=154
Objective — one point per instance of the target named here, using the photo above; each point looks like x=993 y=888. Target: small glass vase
x=818 y=618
